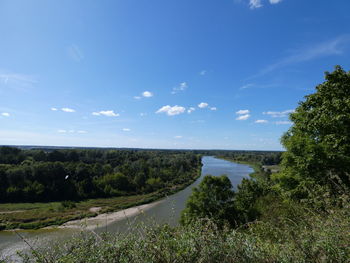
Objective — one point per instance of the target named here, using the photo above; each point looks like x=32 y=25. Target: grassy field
x=38 y=215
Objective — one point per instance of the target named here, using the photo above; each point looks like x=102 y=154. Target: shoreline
x=105 y=219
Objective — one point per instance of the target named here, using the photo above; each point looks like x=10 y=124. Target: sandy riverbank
x=102 y=220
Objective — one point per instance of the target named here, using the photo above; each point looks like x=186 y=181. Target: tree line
x=74 y=174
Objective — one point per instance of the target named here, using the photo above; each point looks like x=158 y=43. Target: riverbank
x=41 y=215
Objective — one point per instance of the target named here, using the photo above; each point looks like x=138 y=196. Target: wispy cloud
x=278 y=114
x=67 y=110
x=178 y=137
x=5 y=114
x=331 y=47
x=16 y=80
x=72 y=131
x=126 y=129
x=53 y=109
x=203 y=105
x=243 y=117
x=213 y=108
x=261 y=121
x=75 y=53
x=253 y=4
x=275 y=1
x=107 y=113
x=171 y=110
x=247 y=86
x=203 y=72
x=241 y=112
x=190 y=110
x=181 y=87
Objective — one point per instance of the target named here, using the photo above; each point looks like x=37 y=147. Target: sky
x=181 y=74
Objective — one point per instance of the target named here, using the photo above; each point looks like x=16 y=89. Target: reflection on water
x=166 y=211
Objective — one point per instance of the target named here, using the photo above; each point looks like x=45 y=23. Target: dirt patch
x=95 y=209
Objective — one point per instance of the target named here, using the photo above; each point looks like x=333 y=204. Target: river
x=167 y=210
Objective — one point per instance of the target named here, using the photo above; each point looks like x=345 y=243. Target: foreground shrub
x=310 y=238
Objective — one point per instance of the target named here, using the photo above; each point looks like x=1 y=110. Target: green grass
x=39 y=215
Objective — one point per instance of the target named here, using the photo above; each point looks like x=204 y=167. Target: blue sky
x=201 y=74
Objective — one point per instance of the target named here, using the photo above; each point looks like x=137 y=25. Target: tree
x=318 y=143
x=213 y=198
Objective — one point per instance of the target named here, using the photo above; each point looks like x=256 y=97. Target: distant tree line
x=73 y=174
x=259 y=157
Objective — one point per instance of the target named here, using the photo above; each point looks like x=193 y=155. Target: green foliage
x=213 y=198
x=68 y=204
x=78 y=174
x=308 y=238
x=318 y=143
x=246 y=198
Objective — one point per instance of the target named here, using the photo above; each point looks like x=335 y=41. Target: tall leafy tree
x=213 y=198
x=318 y=143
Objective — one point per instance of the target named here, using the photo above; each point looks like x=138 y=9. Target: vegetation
x=58 y=175
x=76 y=180
x=212 y=198
x=300 y=214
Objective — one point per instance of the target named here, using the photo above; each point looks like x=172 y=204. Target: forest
x=43 y=175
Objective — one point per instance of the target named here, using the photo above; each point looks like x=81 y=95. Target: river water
x=167 y=210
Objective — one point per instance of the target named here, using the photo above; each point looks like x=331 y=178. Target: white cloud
x=278 y=114
x=243 y=117
x=61 y=131
x=275 y=1
x=126 y=129
x=178 y=137
x=147 y=94
x=203 y=72
x=181 y=87
x=137 y=97
x=67 y=110
x=253 y=4
x=82 y=132
x=213 y=108
x=54 y=109
x=5 y=114
x=108 y=113
x=171 y=111
x=190 y=110
x=242 y=112
x=261 y=121
x=283 y=122
x=203 y=105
